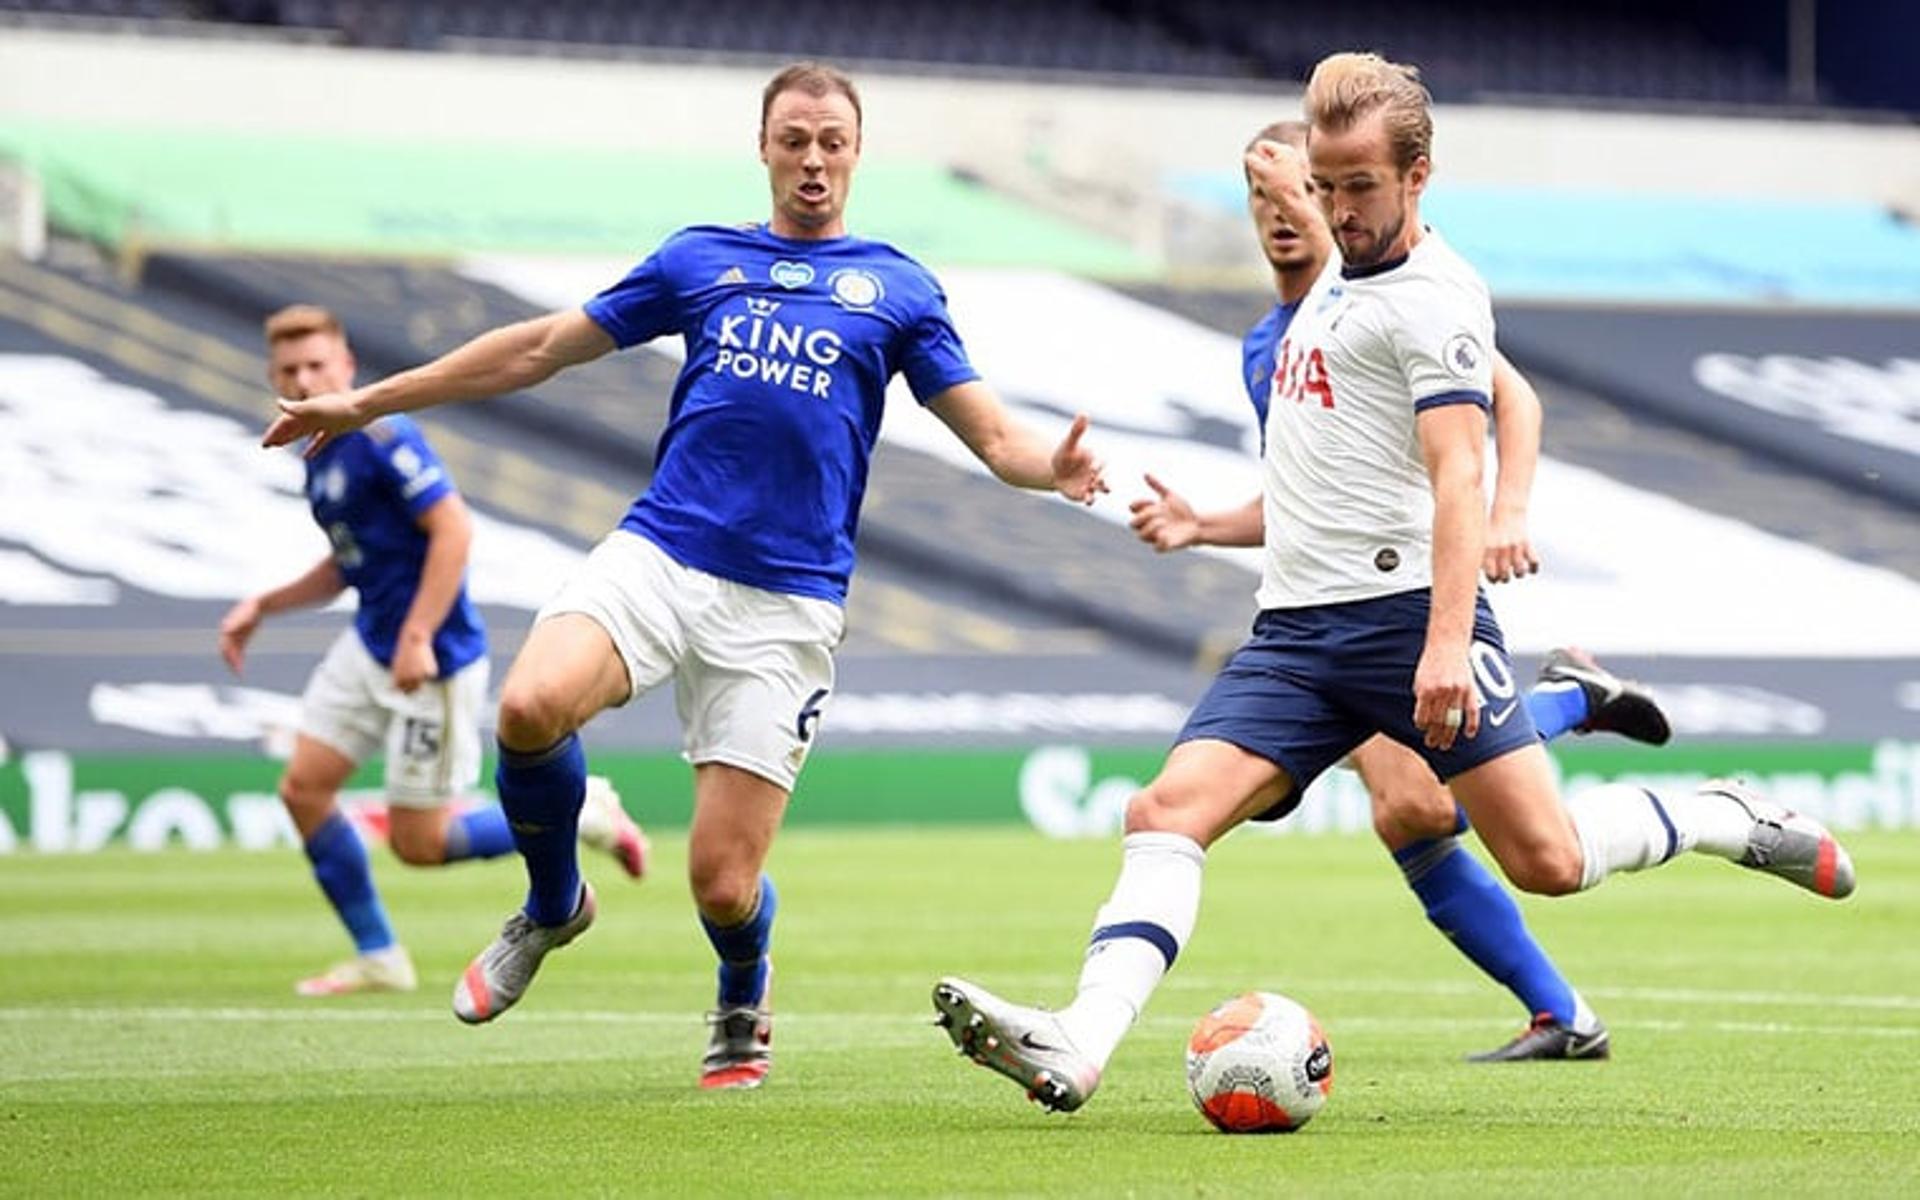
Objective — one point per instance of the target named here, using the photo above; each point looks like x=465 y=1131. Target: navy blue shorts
x=1313 y=683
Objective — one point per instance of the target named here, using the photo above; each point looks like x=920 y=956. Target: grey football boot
x=1791 y=845
x=495 y=980
x=740 y=1043
x=1026 y=1045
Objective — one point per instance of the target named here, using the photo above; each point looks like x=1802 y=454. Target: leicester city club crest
x=855 y=288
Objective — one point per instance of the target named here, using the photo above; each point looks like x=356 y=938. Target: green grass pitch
x=1766 y=1042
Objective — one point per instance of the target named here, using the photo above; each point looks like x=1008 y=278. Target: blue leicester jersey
x=367 y=491
x=790 y=344
x=1257 y=353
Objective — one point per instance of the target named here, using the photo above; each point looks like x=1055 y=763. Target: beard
x=1376 y=249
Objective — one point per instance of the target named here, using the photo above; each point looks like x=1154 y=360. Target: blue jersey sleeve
x=932 y=357
x=644 y=305
x=414 y=471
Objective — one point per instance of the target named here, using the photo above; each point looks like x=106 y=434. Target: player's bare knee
x=1401 y=817
x=1155 y=809
x=1549 y=869
x=308 y=801
x=724 y=897
x=532 y=717
x=1387 y=827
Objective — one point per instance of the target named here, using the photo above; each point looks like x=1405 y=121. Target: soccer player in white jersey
x=1371 y=622
x=1413 y=813
x=728 y=575
x=407 y=679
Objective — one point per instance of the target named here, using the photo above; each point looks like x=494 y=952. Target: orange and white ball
x=1259 y=1064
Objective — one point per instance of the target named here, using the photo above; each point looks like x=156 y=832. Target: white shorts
x=431 y=738
x=752 y=669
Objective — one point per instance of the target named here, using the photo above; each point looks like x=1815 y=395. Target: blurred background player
x=1414 y=815
x=1374 y=522
x=730 y=571
x=407 y=679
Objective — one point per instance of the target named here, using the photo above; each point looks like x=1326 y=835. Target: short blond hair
x=302 y=320
x=1347 y=87
x=1287 y=133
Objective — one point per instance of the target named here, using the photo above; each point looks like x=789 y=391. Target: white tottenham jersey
x=1349 y=510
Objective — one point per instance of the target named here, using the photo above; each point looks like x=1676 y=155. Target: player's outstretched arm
x=317 y=585
x=501 y=360
x=1452 y=443
x=449 y=530
x=1516 y=437
x=1169 y=522
x=1015 y=453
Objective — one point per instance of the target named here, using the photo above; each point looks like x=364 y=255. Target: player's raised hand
x=1077 y=474
x=1445 y=704
x=236 y=630
x=1166 y=522
x=1277 y=168
x=1509 y=553
x=319 y=419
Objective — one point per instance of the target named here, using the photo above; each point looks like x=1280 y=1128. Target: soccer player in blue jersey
x=1413 y=813
x=407 y=679
x=729 y=573
x=1371 y=619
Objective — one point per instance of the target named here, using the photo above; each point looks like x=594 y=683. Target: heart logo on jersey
x=791 y=275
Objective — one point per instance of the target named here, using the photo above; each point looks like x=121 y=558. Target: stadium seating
x=1476 y=49
x=1710 y=52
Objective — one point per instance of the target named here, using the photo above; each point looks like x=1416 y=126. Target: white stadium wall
x=1126 y=134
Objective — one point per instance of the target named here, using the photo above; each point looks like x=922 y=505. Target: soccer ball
x=1259 y=1064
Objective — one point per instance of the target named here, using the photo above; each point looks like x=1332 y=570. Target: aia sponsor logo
x=1301 y=376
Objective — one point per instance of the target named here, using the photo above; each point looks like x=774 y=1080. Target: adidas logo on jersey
x=730 y=276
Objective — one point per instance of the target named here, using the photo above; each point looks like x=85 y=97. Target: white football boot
x=388 y=970
x=1026 y=1045
x=605 y=826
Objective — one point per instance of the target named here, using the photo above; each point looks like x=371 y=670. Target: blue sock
x=1556 y=708
x=541 y=793
x=743 y=950
x=1468 y=905
x=479 y=833
x=340 y=865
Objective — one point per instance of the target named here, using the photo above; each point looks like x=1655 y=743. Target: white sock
x=1623 y=828
x=1721 y=825
x=1585 y=1020
x=1137 y=934
x=1627 y=828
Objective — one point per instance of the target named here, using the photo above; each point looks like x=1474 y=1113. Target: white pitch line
x=1308 y=985
x=1893 y=1002
x=893 y=1022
